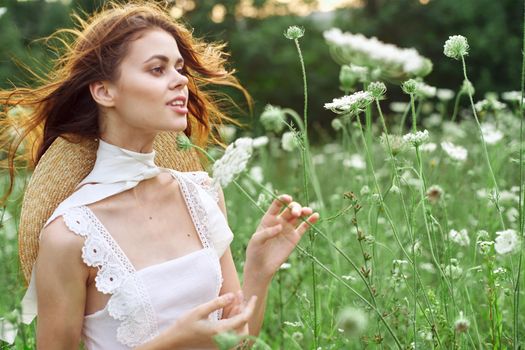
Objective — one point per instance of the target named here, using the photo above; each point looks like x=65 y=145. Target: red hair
x=62 y=104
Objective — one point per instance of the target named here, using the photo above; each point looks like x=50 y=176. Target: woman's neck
x=135 y=143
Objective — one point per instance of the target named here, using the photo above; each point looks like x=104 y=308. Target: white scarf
x=116 y=170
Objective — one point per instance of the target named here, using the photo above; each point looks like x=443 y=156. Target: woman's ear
x=102 y=93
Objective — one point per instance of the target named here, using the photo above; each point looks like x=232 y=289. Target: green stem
x=484 y=146
x=306 y=154
x=456 y=105
x=520 y=203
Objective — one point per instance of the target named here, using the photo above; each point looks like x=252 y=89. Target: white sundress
x=143 y=303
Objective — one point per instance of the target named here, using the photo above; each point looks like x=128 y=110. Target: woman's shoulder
x=204 y=181
x=57 y=239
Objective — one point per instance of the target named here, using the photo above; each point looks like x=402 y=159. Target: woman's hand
x=276 y=236
x=194 y=329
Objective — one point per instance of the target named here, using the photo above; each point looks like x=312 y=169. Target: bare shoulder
x=59 y=243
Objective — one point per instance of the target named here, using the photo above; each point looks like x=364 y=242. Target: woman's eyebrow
x=164 y=58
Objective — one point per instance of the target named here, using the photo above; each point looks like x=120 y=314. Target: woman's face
x=150 y=93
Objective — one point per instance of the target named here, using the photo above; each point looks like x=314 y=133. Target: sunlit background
x=261 y=55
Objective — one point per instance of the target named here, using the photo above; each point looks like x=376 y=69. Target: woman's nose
x=177 y=79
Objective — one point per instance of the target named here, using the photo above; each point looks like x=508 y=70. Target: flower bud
x=272 y=118
x=409 y=87
x=377 y=89
x=294 y=32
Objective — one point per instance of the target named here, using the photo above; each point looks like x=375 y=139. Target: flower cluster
x=506 y=241
x=393 y=62
x=455 y=152
x=460 y=237
x=456 y=47
x=491 y=134
x=350 y=104
x=294 y=32
x=289 y=141
x=273 y=118
x=377 y=89
x=417 y=138
x=418 y=88
x=489 y=104
x=233 y=162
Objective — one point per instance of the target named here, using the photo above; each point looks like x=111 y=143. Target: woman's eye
x=158 y=70
x=181 y=70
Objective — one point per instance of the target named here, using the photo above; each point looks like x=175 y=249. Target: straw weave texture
x=61 y=169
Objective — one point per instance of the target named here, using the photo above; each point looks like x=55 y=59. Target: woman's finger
x=278 y=204
x=312 y=219
x=222 y=301
x=305 y=212
x=239 y=320
x=266 y=233
x=293 y=211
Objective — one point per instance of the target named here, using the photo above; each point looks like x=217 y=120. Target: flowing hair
x=62 y=105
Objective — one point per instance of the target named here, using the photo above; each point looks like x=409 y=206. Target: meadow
x=420 y=240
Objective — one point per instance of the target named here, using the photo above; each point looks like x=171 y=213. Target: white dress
x=143 y=303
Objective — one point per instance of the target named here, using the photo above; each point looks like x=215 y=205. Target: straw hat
x=61 y=169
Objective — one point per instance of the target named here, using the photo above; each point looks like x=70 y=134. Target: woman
x=139 y=256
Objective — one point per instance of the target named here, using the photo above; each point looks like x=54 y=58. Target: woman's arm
x=272 y=243
x=61 y=278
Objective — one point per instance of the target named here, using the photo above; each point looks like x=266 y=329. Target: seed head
x=294 y=32
x=456 y=47
x=272 y=118
x=377 y=89
x=352 y=321
x=462 y=324
x=409 y=87
x=467 y=88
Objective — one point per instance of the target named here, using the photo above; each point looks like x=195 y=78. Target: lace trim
x=199 y=216
x=116 y=275
x=203 y=179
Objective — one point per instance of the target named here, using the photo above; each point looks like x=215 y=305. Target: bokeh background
x=267 y=63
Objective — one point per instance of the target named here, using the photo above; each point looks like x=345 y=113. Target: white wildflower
x=352 y=321
x=256 y=173
x=294 y=32
x=355 y=161
x=489 y=104
x=490 y=133
x=319 y=159
x=455 y=152
x=233 y=161
x=511 y=96
x=444 y=94
x=428 y=147
x=506 y=241
x=289 y=141
x=260 y=141
x=428 y=267
x=461 y=324
x=460 y=237
x=398 y=107
x=350 y=104
x=453 y=271
x=417 y=138
x=272 y=118
x=456 y=47
x=512 y=214
x=433 y=120
x=391 y=59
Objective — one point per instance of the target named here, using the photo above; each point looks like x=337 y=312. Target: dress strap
x=129 y=301
x=198 y=212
